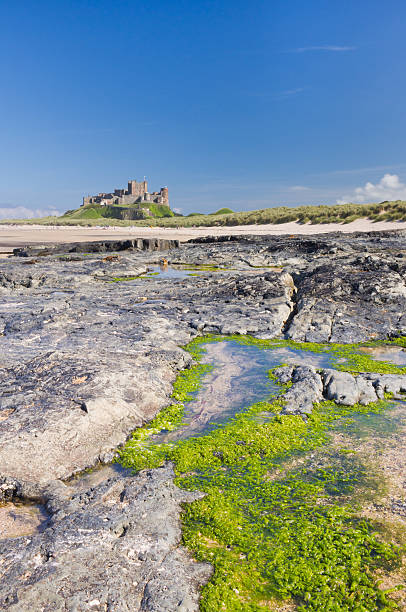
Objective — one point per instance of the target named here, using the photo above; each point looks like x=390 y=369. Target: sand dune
x=12 y=236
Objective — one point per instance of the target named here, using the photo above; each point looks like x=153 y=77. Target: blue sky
x=229 y=103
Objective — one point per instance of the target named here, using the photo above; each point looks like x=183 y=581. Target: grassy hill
x=125 y=213
x=339 y=213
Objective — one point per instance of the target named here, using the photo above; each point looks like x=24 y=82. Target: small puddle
x=380 y=441
x=239 y=379
x=178 y=271
x=62 y=293
x=361 y=426
x=21 y=519
x=95 y=476
x=392 y=354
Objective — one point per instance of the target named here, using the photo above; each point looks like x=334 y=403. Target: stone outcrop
x=83 y=362
x=347 y=301
x=105 y=246
x=307 y=388
x=310 y=386
x=113 y=547
x=346 y=389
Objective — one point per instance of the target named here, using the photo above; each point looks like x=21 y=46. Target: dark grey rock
x=306 y=389
x=84 y=361
x=112 y=547
x=106 y=246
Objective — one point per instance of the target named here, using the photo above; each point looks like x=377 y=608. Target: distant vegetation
x=158 y=210
x=223 y=211
x=123 y=213
x=340 y=213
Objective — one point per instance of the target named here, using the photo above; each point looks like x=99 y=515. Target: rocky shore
x=90 y=349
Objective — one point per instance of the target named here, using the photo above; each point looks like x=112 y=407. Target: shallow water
x=20 y=519
x=356 y=467
x=379 y=425
x=93 y=477
x=379 y=440
x=239 y=379
x=392 y=354
x=175 y=272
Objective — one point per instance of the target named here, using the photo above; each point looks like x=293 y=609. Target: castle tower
x=165 y=195
x=137 y=189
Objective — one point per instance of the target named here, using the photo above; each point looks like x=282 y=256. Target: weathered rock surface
x=310 y=386
x=114 y=547
x=347 y=301
x=350 y=287
x=307 y=388
x=84 y=361
x=99 y=246
x=65 y=412
x=346 y=389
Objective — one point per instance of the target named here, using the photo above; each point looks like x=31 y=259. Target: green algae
x=139 y=455
x=122 y=279
x=345 y=357
x=272 y=537
x=400 y=341
x=188 y=270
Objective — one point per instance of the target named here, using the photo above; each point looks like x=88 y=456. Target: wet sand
x=20 y=519
x=12 y=236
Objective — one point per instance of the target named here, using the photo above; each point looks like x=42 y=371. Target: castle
x=134 y=194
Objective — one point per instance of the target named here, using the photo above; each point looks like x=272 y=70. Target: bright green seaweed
x=273 y=531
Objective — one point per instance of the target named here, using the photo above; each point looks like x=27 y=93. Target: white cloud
x=390 y=187
x=299 y=188
x=21 y=212
x=177 y=210
x=335 y=48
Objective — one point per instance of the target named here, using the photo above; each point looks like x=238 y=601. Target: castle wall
x=136 y=193
x=137 y=189
x=126 y=199
x=116 y=212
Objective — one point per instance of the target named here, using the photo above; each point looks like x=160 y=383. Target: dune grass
x=339 y=213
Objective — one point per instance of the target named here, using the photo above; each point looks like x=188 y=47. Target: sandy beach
x=12 y=236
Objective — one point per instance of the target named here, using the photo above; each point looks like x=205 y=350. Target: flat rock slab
x=112 y=547
x=351 y=300
x=84 y=361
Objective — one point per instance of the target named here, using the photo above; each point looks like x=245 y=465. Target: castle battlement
x=136 y=193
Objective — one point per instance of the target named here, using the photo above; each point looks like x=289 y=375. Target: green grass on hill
x=91 y=211
x=223 y=211
x=339 y=213
x=96 y=211
x=158 y=210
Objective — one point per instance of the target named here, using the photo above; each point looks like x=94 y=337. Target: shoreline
x=13 y=236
